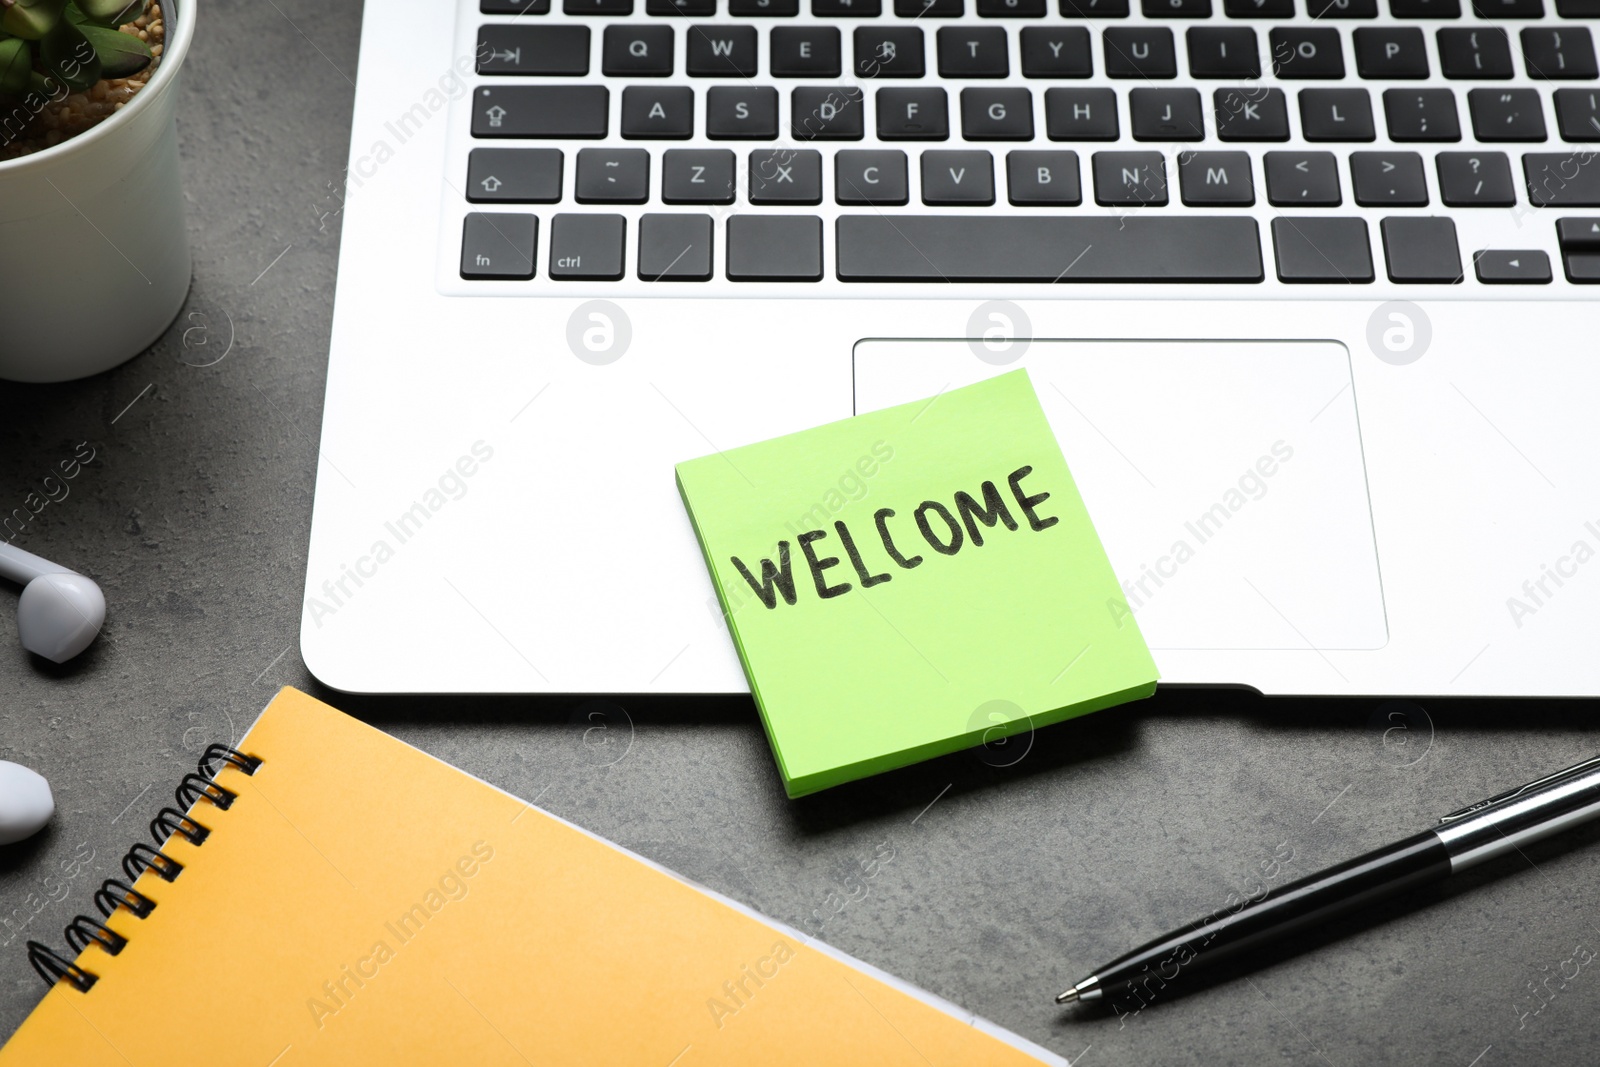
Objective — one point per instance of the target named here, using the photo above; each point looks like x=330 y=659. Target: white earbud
x=60 y=611
x=26 y=802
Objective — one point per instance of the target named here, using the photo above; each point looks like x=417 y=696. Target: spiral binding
x=114 y=893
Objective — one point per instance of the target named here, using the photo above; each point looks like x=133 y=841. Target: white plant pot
x=94 y=261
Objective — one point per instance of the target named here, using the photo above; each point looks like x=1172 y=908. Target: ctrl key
x=587 y=247
x=498 y=245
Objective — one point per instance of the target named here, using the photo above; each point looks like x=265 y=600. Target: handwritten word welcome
x=944 y=531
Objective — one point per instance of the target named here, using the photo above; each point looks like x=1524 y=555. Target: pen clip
x=1521 y=790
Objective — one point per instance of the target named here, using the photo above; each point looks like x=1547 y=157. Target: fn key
x=498 y=245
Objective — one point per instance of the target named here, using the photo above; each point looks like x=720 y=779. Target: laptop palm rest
x=1225 y=477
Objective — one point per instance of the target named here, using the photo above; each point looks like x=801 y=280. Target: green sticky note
x=913 y=581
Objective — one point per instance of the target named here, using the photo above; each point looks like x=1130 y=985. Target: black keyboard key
x=1506 y=115
x=1258 y=9
x=514 y=175
x=1223 y=52
x=834 y=114
x=1421 y=249
x=517 y=49
x=1578 y=235
x=498 y=245
x=1580 y=249
x=1421 y=115
x=1475 y=179
x=996 y=115
x=1561 y=179
x=1253 y=114
x=658 y=113
x=675 y=248
x=1525 y=266
x=1391 y=52
x=1052 y=248
x=973 y=52
x=554 y=111
x=587 y=247
x=920 y=114
x=1302 y=179
x=597 y=7
x=1582 y=268
x=1558 y=52
x=957 y=178
x=786 y=176
x=1130 y=179
x=764 y=8
x=847 y=9
x=613 y=176
x=1043 y=179
x=805 y=52
x=697 y=176
x=1176 y=9
x=1012 y=9
x=774 y=248
x=1322 y=251
x=738 y=113
x=637 y=52
x=1578 y=9
x=693 y=8
x=1306 y=52
x=1482 y=54
x=1216 y=179
x=1508 y=9
x=873 y=177
x=721 y=51
x=1578 y=114
x=514 y=7
x=1336 y=115
x=1165 y=115
x=929 y=9
x=1080 y=114
x=1342 y=9
x=1094 y=9
x=1388 y=179
x=1056 y=52
x=1425 y=9
x=1140 y=52
x=889 y=52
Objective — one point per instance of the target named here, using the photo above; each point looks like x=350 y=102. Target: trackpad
x=1225 y=477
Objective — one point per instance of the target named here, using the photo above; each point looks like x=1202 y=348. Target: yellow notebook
x=360 y=902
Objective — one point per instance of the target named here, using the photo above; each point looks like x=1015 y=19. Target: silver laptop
x=1304 y=286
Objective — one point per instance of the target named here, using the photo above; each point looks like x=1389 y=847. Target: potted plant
x=94 y=262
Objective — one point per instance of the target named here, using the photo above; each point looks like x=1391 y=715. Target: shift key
x=556 y=111
x=1562 y=179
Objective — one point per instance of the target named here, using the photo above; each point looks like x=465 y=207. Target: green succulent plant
x=73 y=42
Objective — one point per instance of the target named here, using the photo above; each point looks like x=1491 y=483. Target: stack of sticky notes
x=913 y=581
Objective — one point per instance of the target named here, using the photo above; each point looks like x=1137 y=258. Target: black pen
x=1462 y=839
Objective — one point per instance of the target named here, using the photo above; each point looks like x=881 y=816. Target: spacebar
x=1011 y=248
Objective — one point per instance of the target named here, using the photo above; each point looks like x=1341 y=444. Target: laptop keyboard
x=839 y=144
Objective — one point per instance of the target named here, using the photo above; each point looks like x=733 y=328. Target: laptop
x=1305 y=288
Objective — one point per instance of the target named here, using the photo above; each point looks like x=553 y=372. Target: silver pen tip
x=1068 y=997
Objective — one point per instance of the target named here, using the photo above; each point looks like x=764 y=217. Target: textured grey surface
x=1005 y=883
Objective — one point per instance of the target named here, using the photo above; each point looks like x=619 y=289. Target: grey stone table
x=1011 y=874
